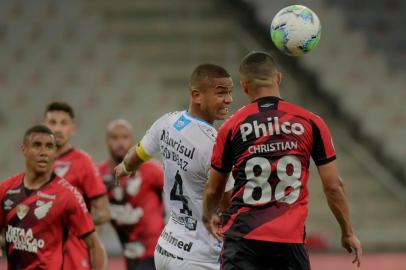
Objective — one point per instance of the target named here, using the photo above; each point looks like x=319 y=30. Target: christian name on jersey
x=167 y=236
x=176 y=151
x=272 y=147
x=271 y=127
x=23 y=239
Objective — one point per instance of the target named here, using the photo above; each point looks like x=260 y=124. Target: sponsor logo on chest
x=271 y=127
x=23 y=239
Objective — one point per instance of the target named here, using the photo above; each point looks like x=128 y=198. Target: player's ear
x=279 y=78
x=244 y=86
x=23 y=147
x=196 y=96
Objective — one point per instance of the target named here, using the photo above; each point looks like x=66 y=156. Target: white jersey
x=186 y=145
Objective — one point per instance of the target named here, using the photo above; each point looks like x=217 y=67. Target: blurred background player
x=79 y=170
x=136 y=203
x=38 y=207
x=185 y=140
x=267 y=145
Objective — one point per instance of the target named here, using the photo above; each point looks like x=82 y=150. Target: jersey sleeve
x=76 y=217
x=229 y=184
x=92 y=182
x=323 y=150
x=2 y=214
x=221 y=159
x=149 y=145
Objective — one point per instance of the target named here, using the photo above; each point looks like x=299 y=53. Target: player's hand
x=213 y=225
x=351 y=243
x=120 y=171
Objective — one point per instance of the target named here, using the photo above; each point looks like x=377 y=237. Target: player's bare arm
x=98 y=255
x=100 y=210
x=212 y=197
x=334 y=190
x=225 y=201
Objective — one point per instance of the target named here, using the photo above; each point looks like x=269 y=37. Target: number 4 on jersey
x=177 y=194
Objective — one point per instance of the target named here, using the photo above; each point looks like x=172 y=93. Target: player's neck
x=33 y=180
x=195 y=111
x=264 y=92
x=63 y=149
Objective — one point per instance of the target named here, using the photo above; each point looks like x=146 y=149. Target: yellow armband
x=141 y=152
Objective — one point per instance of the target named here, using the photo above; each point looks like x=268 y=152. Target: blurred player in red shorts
x=38 y=208
x=79 y=170
x=136 y=203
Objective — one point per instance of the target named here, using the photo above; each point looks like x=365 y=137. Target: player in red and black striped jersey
x=79 y=170
x=136 y=203
x=267 y=145
x=38 y=209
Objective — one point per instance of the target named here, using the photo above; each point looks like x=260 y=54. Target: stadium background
x=133 y=58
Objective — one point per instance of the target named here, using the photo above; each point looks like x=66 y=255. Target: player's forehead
x=225 y=82
x=42 y=138
x=119 y=129
x=58 y=115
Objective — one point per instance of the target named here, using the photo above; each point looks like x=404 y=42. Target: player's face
x=62 y=126
x=119 y=141
x=217 y=99
x=39 y=150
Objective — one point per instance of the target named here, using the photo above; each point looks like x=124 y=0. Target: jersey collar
x=187 y=114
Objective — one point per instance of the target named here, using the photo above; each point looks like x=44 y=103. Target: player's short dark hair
x=60 y=106
x=37 y=129
x=257 y=68
x=203 y=75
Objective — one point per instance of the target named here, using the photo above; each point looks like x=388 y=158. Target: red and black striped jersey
x=36 y=222
x=267 y=145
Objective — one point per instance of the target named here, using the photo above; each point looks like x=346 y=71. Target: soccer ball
x=295 y=30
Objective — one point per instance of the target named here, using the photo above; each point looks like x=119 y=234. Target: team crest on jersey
x=42 y=209
x=62 y=168
x=181 y=123
x=22 y=211
x=8 y=204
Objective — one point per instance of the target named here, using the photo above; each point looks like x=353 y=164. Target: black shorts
x=248 y=254
x=145 y=264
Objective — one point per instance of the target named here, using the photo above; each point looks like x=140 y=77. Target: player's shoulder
x=82 y=158
x=80 y=154
x=71 y=192
x=12 y=182
x=170 y=116
x=104 y=165
x=298 y=110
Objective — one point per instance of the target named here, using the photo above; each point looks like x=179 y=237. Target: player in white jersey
x=185 y=141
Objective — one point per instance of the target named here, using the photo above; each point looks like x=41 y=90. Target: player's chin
x=42 y=168
x=221 y=115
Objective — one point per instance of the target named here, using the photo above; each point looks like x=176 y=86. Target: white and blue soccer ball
x=295 y=30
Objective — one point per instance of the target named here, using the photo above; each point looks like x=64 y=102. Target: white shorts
x=165 y=260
